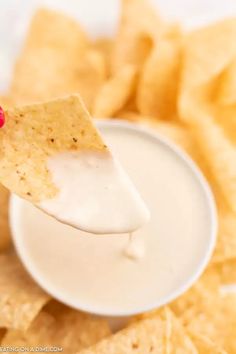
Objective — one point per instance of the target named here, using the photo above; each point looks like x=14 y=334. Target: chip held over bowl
x=52 y=155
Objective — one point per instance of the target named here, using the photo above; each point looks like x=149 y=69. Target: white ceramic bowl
x=15 y=208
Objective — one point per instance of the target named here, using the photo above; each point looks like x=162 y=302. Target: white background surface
x=99 y=17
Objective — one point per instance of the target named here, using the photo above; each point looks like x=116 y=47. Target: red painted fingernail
x=2 y=117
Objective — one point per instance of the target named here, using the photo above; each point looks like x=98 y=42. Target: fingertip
x=2 y=117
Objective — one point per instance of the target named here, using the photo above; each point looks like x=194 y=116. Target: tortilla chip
x=138 y=28
x=5 y=102
x=175 y=334
x=159 y=81
x=204 y=103
x=56 y=61
x=201 y=158
x=131 y=116
x=61 y=327
x=197 y=298
x=177 y=338
x=201 y=114
x=205 y=345
x=53 y=47
x=226 y=241
x=32 y=134
x=172 y=31
x=198 y=106
x=143 y=337
x=20 y=298
x=226 y=117
x=54 y=28
x=105 y=46
x=225 y=271
x=90 y=76
x=217 y=322
x=219 y=154
x=5 y=236
x=115 y=93
x=206 y=313
x=227 y=90
x=151 y=335
x=204 y=60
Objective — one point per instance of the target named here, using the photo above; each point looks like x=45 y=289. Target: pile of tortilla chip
x=182 y=84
